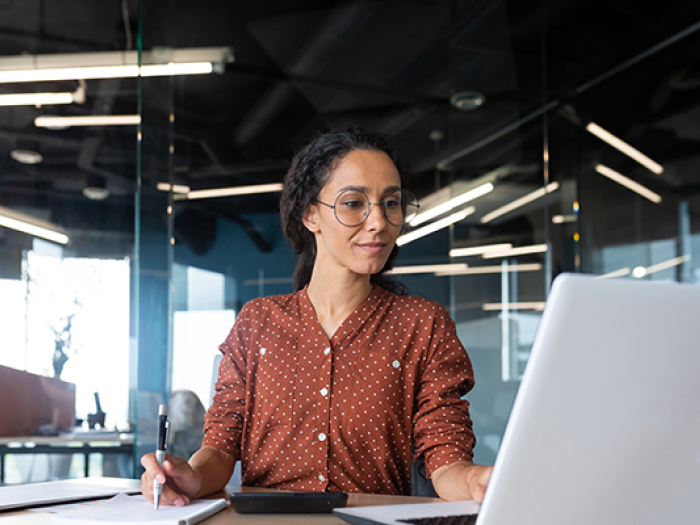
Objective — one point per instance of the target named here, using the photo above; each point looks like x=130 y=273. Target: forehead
x=373 y=170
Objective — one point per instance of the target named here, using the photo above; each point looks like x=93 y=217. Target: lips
x=372 y=247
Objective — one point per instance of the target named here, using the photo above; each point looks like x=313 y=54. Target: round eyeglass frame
x=411 y=202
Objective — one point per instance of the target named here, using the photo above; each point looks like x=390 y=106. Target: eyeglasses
x=352 y=207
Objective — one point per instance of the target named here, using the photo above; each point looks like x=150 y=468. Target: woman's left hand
x=478 y=477
x=461 y=480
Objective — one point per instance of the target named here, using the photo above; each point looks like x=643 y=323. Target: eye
x=392 y=203
x=352 y=202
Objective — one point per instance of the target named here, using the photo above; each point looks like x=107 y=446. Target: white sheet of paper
x=137 y=510
x=34 y=494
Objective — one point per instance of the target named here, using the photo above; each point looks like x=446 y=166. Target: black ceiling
x=390 y=65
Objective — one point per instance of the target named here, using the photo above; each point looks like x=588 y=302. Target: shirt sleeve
x=223 y=422
x=441 y=425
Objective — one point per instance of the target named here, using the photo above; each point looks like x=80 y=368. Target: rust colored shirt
x=305 y=413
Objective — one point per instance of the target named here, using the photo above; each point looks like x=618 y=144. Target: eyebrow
x=388 y=189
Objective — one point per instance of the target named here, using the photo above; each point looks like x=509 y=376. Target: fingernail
x=178 y=503
x=160 y=478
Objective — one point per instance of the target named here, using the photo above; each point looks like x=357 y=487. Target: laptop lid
x=605 y=428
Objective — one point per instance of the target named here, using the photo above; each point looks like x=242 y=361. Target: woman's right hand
x=180 y=481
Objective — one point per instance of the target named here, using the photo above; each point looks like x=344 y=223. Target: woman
x=328 y=389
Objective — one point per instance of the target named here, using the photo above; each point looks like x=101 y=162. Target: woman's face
x=362 y=249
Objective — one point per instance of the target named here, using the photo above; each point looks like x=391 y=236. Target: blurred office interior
x=542 y=137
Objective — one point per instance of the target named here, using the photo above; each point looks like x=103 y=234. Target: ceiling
x=392 y=66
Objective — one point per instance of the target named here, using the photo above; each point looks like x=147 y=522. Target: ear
x=310 y=219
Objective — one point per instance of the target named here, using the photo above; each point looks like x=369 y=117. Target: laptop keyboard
x=463 y=519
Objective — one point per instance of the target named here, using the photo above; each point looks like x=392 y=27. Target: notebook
x=137 y=510
x=605 y=428
x=32 y=495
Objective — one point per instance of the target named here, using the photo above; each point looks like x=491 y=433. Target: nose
x=375 y=220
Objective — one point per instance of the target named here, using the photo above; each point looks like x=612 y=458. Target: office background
x=519 y=114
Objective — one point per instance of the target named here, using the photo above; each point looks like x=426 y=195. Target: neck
x=334 y=298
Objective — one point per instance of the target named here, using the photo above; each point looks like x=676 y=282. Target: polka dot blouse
x=305 y=413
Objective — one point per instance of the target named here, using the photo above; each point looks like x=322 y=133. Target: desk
x=229 y=516
x=85 y=443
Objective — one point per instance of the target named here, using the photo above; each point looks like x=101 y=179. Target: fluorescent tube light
x=31 y=225
x=113 y=64
x=87 y=120
x=640 y=271
x=426 y=268
x=522 y=201
x=102 y=72
x=35 y=99
x=625 y=148
x=478 y=250
x=434 y=226
x=454 y=202
x=617 y=273
x=472 y=270
x=560 y=219
x=237 y=190
x=520 y=250
x=535 y=305
x=628 y=183
x=176 y=188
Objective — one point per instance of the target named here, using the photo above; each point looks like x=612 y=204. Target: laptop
x=605 y=428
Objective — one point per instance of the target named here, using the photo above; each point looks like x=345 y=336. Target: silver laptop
x=605 y=429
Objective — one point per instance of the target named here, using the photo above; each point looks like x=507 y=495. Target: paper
x=137 y=510
x=30 y=495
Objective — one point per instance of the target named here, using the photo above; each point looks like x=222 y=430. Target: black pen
x=163 y=431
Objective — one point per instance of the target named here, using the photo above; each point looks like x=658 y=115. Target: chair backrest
x=236 y=477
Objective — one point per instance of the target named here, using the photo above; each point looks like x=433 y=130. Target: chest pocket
x=275 y=380
x=383 y=388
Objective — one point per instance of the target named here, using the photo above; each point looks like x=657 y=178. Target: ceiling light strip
x=426 y=268
x=666 y=264
x=87 y=120
x=176 y=188
x=628 y=183
x=520 y=250
x=451 y=204
x=518 y=203
x=31 y=225
x=233 y=191
x=435 y=226
x=478 y=250
x=534 y=305
x=35 y=99
x=103 y=72
x=476 y=270
x=625 y=148
x=617 y=273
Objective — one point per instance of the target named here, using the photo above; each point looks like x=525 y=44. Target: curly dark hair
x=310 y=170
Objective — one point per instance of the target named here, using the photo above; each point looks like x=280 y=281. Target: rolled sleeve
x=442 y=427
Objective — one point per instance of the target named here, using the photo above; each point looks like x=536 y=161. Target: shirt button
x=396 y=364
x=327 y=351
x=262 y=351
x=322 y=477
x=321 y=437
x=324 y=391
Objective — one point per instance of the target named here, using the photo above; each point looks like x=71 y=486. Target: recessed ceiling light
x=96 y=188
x=467 y=100
x=26 y=156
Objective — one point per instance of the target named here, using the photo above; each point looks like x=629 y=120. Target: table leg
x=2 y=468
x=87 y=464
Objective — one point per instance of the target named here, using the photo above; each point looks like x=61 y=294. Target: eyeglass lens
x=352 y=207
